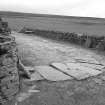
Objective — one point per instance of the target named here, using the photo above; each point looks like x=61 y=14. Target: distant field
x=78 y=25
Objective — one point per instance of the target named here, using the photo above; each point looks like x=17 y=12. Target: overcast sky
x=90 y=8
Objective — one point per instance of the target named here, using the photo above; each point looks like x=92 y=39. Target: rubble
x=10 y=65
x=9 y=75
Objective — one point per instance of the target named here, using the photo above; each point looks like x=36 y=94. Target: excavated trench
x=37 y=51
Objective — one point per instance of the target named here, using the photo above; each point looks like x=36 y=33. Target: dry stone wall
x=9 y=77
x=85 y=40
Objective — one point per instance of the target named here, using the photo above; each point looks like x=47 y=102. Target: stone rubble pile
x=10 y=65
x=9 y=75
x=9 y=78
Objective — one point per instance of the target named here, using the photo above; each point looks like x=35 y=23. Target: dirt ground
x=34 y=51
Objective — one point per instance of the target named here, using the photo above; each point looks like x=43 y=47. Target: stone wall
x=85 y=40
x=9 y=77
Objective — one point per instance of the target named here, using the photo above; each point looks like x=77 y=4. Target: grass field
x=91 y=26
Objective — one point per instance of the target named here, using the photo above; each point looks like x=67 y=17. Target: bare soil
x=34 y=51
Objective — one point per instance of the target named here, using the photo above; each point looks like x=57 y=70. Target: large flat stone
x=83 y=69
x=60 y=66
x=72 y=71
x=76 y=70
x=94 y=66
x=52 y=74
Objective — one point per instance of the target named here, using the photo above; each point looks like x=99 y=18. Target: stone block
x=88 y=42
x=76 y=70
x=52 y=74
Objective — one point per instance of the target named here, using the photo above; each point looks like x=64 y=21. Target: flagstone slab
x=94 y=66
x=72 y=71
x=60 y=66
x=76 y=70
x=82 y=68
x=52 y=74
